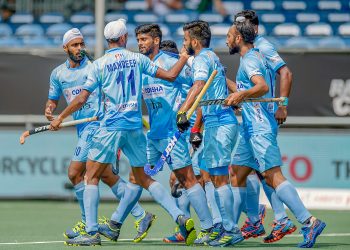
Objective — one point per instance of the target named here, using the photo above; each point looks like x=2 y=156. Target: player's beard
x=76 y=59
x=190 y=50
x=147 y=52
x=233 y=50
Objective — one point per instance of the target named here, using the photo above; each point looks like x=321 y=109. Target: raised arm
x=172 y=74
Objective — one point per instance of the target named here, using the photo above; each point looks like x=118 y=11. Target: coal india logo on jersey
x=340 y=92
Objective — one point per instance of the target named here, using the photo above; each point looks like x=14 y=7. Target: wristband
x=195 y=130
x=284 y=101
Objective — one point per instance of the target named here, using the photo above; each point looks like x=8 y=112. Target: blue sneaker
x=143 y=225
x=253 y=230
x=216 y=231
x=186 y=226
x=227 y=238
x=279 y=230
x=175 y=238
x=203 y=237
x=109 y=229
x=262 y=214
x=84 y=239
x=311 y=232
x=75 y=231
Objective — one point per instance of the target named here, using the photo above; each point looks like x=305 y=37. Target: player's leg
x=285 y=191
x=76 y=172
x=101 y=155
x=180 y=163
x=218 y=145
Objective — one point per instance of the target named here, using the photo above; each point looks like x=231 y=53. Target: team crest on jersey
x=152 y=91
x=118 y=56
x=71 y=93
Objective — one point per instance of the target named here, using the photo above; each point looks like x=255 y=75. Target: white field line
x=156 y=239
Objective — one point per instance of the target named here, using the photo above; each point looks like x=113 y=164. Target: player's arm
x=286 y=79
x=192 y=95
x=231 y=85
x=196 y=136
x=75 y=105
x=171 y=75
x=50 y=107
x=259 y=89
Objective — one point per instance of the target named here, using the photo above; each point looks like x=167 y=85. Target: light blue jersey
x=203 y=65
x=258 y=117
x=272 y=57
x=163 y=98
x=69 y=82
x=119 y=74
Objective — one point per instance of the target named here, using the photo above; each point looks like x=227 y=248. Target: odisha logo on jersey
x=153 y=90
x=76 y=91
x=129 y=106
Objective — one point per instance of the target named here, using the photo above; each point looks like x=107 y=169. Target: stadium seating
x=286 y=22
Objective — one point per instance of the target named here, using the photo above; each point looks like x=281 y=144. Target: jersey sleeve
x=253 y=66
x=272 y=57
x=55 y=90
x=148 y=67
x=200 y=69
x=93 y=79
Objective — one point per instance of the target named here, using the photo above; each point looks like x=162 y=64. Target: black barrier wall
x=321 y=85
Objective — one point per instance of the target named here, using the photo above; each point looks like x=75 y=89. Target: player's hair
x=170 y=46
x=246 y=29
x=250 y=15
x=152 y=29
x=199 y=30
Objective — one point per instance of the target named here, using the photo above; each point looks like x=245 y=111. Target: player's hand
x=55 y=124
x=281 y=114
x=183 y=53
x=196 y=138
x=181 y=121
x=48 y=113
x=234 y=99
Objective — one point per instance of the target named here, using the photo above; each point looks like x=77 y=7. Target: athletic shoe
x=109 y=229
x=75 y=231
x=177 y=237
x=253 y=230
x=227 y=238
x=84 y=239
x=186 y=226
x=279 y=230
x=203 y=237
x=310 y=233
x=262 y=214
x=143 y=225
x=216 y=231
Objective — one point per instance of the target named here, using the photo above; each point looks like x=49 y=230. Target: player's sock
x=276 y=204
x=210 y=194
x=239 y=198
x=163 y=198
x=183 y=202
x=118 y=190
x=131 y=196
x=288 y=195
x=252 y=200
x=196 y=195
x=91 y=200
x=224 y=199
x=79 y=193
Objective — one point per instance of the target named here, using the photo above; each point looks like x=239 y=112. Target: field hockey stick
x=159 y=165
x=47 y=127
x=222 y=101
x=83 y=52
